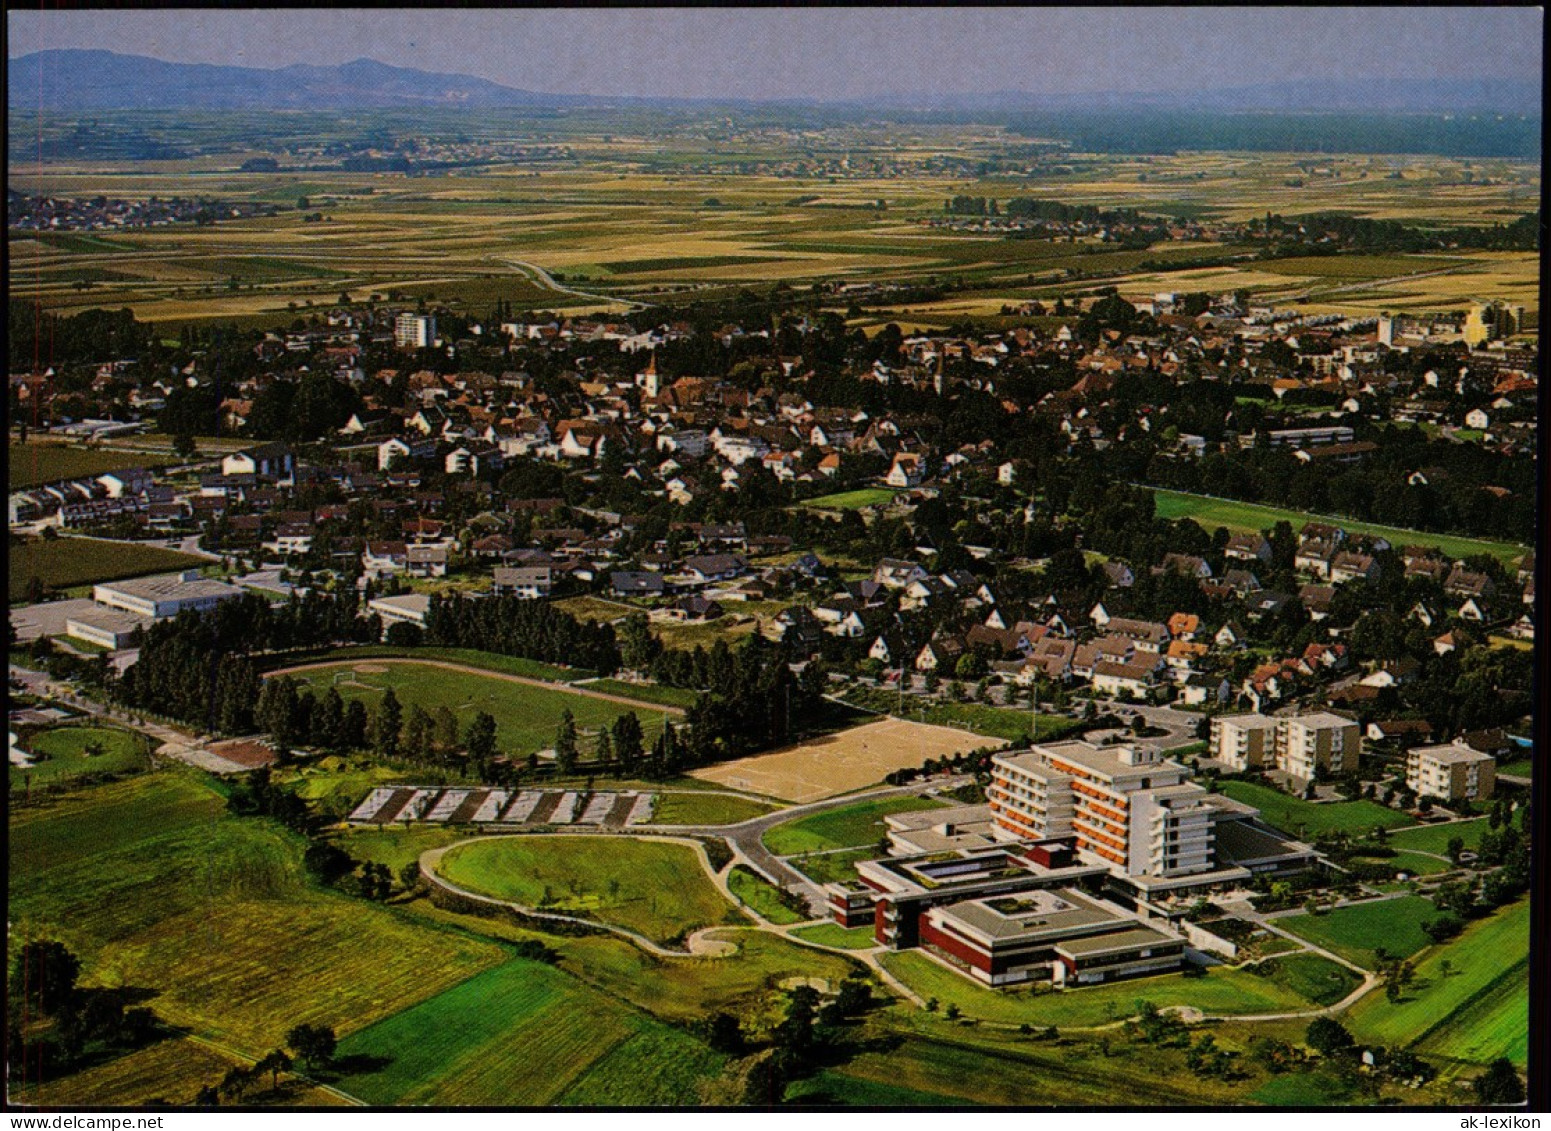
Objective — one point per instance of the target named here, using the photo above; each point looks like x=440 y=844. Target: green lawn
x=828 y=867
x=526 y=717
x=1307 y=818
x=1435 y=838
x=1355 y=932
x=761 y=895
x=38 y=463
x=656 y=889
x=853 y=500
x=61 y=563
x=153 y=885
x=1010 y=724
x=489 y=661
x=1222 y=991
x=645 y=692
x=525 y=1034
x=1523 y=768
x=833 y=934
x=1253 y=517
x=1477 y=1009
x=692 y=808
x=1310 y=976
x=850 y=826
x=67 y=757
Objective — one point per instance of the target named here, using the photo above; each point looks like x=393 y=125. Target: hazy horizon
x=833 y=53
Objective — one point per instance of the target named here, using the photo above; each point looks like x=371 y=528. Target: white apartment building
x=1451 y=772
x=1307 y=745
x=1126 y=806
x=414 y=331
x=1245 y=742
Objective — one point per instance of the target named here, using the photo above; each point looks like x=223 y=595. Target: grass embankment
x=1470 y=997
x=486 y=661
x=1253 y=517
x=692 y=808
x=655 y=889
x=833 y=934
x=761 y=895
x=60 y=563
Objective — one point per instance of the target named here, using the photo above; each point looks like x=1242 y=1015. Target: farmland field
x=67 y=756
x=1224 y=992
x=1307 y=818
x=838 y=763
x=526 y=715
x=847 y=827
x=1476 y=1007
x=523 y=1033
x=1355 y=932
x=152 y=885
x=657 y=889
x=1236 y=516
x=33 y=464
x=64 y=562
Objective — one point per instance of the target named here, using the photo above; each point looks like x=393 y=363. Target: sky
x=832 y=53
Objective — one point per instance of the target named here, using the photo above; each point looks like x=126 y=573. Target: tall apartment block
x=414 y=331
x=1125 y=806
x=1245 y=742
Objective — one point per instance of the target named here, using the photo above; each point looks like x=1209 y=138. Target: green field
x=1523 y=768
x=1010 y=724
x=34 y=464
x=646 y=692
x=833 y=934
x=693 y=808
x=523 y=1033
x=850 y=826
x=1310 y=976
x=489 y=661
x=1475 y=1012
x=1237 y=516
x=1222 y=992
x=154 y=886
x=1307 y=818
x=761 y=895
x=60 y=563
x=65 y=747
x=1355 y=932
x=653 y=888
x=525 y=716
x=1435 y=838
x=853 y=500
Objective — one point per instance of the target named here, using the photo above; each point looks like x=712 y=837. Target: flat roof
x=1322 y=719
x=109 y=620
x=404 y=602
x=1251 y=719
x=1134 y=938
x=1451 y=752
x=1257 y=843
x=1100 y=759
x=170 y=587
x=1043 y=914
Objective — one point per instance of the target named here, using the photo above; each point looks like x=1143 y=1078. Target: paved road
x=544 y=279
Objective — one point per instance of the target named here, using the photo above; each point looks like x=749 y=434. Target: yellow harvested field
x=840 y=763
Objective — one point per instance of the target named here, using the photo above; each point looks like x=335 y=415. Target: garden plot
x=448 y=804
x=599 y=806
x=490 y=808
x=373 y=805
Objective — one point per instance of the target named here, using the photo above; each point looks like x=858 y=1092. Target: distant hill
x=76 y=80
x=73 y=80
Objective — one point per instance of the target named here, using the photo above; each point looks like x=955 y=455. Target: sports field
x=1475 y=1011
x=1236 y=516
x=524 y=1034
x=1355 y=932
x=657 y=889
x=67 y=752
x=1308 y=818
x=838 y=763
x=847 y=827
x=526 y=713
x=60 y=563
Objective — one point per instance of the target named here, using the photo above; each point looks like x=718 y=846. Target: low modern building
x=1451 y=772
x=407 y=608
x=106 y=628
x=165 y=595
